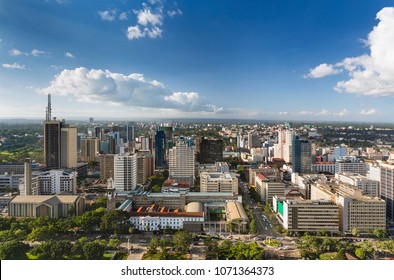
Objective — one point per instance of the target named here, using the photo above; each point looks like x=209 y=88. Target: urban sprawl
x=198 y=190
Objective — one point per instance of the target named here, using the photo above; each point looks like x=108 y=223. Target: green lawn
x=31 y=257
x=158 y=256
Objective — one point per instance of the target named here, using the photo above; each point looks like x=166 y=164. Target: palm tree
x=230 y=226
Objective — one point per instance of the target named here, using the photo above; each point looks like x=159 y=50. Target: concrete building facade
x=125 y=172
x=218 y=182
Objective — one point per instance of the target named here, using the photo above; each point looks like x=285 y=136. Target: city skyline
x=326 y=61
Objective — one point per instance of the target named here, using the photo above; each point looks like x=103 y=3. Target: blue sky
x=286 y=60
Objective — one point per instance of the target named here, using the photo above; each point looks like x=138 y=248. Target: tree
x=53 y=249
x=90 y=219
x=212 y=249
x=380 y=232
x=13 y=250
x=93 y=250
x=355 y=232
x=231 y=226
x=252 y=226
x=78 y=245
x=182 y=241
x=115 y=221
x=42 y=233
x=360 y=254
x=101 y=202
x=114 y=244
x=341 y=254
x=153 y=246
x=166 y=174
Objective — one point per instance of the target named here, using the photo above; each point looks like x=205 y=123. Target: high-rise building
x=160 y=149
x=253 y=140
x=97 y=132
x=128 y=134
x=106 y=166
x=387 y=188
x=52 y=142
x=301 y=156
x=340 y=151
x=68 y=153
x=209 y=151
x=90 y=149
x=125 y=172
x=53 y=182
x=146 y=143
x=60 y=142
x=182 y=161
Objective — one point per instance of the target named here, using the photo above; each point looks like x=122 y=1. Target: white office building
x=125 y=172
x=182 y=161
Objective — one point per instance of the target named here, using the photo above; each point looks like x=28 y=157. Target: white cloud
x=107 y=15
x=16 y=52
x=146 y=17
x=369 y=112
x=123 y=16
x=371 y=74
x=322 y=70
x=342 y=113
x=134 y=32
x=174 y=13
x=103 y=86
x=15 y=65
x=153 y=32
x=150 y=20
x=324 y=112
x=153 y=2
x=69 y=55
x=36 y=52
x=283 y=113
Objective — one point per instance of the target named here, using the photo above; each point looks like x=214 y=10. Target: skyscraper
x=52 y=142
x=160 y=149
x=128 y=132
x=182 y=161
x=60 y=142
x=106 y=166
x=125 y=172
x=387 y=188
x=340 y=151
x=68 y=146
x=90 y=147
x=301 y=156
x=209 y=150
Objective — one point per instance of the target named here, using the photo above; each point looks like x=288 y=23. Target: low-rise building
x=323 y=167
x=367 y=186
x=218 y=182
x=53 y=206
x=300 y=215
x=155 y=217
x=357 y=211
x=268 y=189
